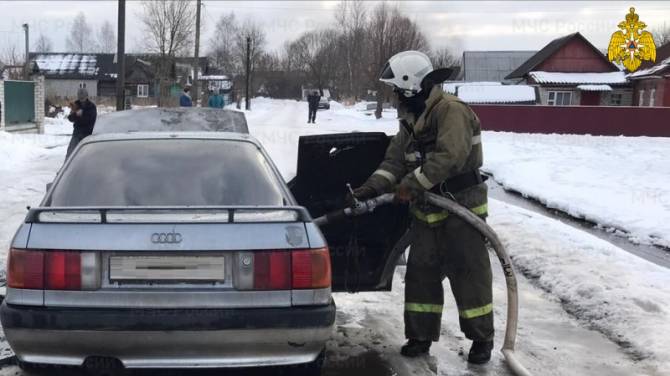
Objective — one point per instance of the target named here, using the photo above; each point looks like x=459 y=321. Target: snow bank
x=14 y=151
x=621 y=295
x=19 y=148
x=620 y=183
x=496 y=94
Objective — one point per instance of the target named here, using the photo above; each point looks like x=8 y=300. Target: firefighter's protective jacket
x=443 y=142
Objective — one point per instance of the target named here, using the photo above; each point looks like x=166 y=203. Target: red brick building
x=651 y=83
x=570 y=71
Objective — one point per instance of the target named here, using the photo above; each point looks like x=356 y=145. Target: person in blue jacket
x=185 y=99
x=216 y=100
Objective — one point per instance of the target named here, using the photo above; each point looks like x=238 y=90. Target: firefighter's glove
x=408 y=190
x=361 y=193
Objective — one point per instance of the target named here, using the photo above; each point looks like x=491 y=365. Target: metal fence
x=593 y=120
x=19 y=102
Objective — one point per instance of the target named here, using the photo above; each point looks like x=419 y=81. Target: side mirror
x=49 y=186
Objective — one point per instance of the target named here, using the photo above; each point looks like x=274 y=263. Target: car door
x=365 y=249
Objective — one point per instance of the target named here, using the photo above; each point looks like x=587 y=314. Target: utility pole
x=247 y=102
x=196 y=63
x=26 y=68
x=121 y=57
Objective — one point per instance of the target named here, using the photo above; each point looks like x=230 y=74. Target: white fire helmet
x=405 y=70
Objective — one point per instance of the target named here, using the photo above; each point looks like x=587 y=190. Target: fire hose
x=368 y=206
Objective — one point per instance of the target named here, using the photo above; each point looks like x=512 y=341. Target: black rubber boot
x=414 y=348
x=480 y=352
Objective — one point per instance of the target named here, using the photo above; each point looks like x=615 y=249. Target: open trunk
x=364 y=250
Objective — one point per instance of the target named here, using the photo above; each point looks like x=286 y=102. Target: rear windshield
x=168 y=172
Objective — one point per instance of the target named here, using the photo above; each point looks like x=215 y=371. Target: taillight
x=53 y=270
x=311 y=269
x=272 y=270
x=283 y=269
x=63 y=270
x=25 y=269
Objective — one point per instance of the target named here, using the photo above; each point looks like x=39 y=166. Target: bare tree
x=222 y=43
x=13 y=57
x=288 y=56
x=351 y=17
x=43 y=44
x=255 y=33
x=80 y=38
x=316 y=54
x=390 y=32
x=443 y=58
x=106 y=38
x=661 y=35
x=168 y=26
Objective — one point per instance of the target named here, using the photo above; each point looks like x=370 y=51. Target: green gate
x=19 y=102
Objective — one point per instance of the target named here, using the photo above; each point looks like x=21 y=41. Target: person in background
x=83 y=114
x=185 y=99
x=216 y=100
x=313 y=102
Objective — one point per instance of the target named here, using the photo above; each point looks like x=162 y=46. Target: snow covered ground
x=587 y=307
x=620 y=183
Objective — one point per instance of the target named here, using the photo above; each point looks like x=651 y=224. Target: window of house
x=640 y=100
x=559 y=98
x=142 y=91
x=652 y=97
x=615 y=99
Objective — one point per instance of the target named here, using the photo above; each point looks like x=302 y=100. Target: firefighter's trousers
x=452 y=249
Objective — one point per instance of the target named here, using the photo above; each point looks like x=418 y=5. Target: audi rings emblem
x=166 y=238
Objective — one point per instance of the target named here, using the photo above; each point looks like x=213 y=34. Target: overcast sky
x=472 y=25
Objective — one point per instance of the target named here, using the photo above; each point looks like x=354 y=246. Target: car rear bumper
x=179 y=338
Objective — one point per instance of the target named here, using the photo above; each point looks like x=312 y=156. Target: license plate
x=167 y=268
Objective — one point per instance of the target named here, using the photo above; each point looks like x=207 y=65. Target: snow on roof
x=212 y=77
x=450 y=87
x=55 y=64
x=594 y=87
x=578 y=78
x=496 y=93
x=650 y=71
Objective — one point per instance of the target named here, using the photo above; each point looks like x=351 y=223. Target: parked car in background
x=324 y=104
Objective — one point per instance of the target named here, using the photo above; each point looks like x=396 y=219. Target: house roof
x=492 y=65
x=100 y=66
x=578 y=78
x=452 y=87
x=74 y=65
x=661 y=68
x=548 y=50
x=662 y=53
x=594 y=87
x=496 y=93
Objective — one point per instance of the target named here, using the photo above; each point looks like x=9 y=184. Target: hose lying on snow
x=486 y=230
x=510 y=279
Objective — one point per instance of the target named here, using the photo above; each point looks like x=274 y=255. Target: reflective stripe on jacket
x=443 y=142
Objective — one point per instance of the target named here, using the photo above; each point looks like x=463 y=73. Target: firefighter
x=437 y=149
